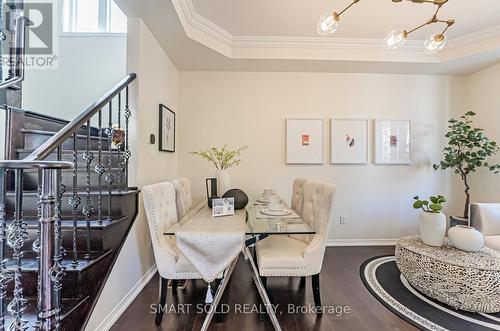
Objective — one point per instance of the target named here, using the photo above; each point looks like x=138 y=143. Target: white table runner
x=211 y=244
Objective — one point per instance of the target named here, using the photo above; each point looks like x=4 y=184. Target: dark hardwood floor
x=340 y=286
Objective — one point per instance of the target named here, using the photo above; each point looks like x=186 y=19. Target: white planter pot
x=466 y=238
x=223 y=181
x=433 y=228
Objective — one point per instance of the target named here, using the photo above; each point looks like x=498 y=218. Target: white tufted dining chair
x=183 y=199
x=161 y=212
x=287 y=256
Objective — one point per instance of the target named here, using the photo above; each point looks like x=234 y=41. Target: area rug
x=383 y=279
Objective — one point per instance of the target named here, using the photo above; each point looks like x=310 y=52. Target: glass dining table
x=257 y=227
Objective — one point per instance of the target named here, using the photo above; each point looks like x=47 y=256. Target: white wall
x=88 y=67
x=250 y=109
x=483 y=97
x=157 y=83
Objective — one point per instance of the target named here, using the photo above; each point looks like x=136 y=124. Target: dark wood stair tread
x=30 y=261
x=67 y=222
x=51 y=133
x=82 y=193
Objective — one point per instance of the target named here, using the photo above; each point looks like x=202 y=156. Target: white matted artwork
x=349 y=141
x=304 y=141
x=392 y=142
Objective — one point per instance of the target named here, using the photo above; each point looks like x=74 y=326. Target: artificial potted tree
x=468 y=150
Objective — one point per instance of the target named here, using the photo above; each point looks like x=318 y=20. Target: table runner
x=211 y=244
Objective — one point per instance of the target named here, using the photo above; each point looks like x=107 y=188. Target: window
x=92 y=16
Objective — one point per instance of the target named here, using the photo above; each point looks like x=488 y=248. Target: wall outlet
x=343 y=219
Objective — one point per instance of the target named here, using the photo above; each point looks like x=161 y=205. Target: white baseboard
x=113 y=316
x=361 y=242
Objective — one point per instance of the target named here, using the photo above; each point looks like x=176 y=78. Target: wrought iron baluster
x=58 y=271
x=5 y=275
x=36 y=243
x=99 y=169
x=49 y=272
x=119 y=143
x=17 y=235
x=88 y=209
x=126 y=154
x=110 y=178
x=62 y=189
x=75 y=200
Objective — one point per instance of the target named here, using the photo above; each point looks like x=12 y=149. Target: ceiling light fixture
x=329 y=22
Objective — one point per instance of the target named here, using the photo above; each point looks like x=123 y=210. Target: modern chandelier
x=329 y=22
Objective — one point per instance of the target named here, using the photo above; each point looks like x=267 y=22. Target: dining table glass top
x=254 y=225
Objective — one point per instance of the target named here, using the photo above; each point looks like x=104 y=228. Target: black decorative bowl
x=240 y=198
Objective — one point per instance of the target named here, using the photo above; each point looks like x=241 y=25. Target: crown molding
x=474 y=37
x=211 y=35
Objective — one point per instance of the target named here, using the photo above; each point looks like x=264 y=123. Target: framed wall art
x=167 y=129
x=304 y=141
x=349 y=141
x=392 y=142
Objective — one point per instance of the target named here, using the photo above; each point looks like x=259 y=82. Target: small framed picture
x=349 y=141
x=392 y=142
x=167 y=130
x=304 y=141
x=222 y=207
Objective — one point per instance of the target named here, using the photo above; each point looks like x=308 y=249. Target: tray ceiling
x=266 y=35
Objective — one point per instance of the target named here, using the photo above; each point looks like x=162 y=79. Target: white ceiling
x=262 y=35
x=366 y=19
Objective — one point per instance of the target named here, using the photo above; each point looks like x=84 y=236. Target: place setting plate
x=284 y=212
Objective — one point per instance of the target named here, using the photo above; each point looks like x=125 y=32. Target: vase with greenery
x=432 y=220
x=223 y=159
x=467 y=151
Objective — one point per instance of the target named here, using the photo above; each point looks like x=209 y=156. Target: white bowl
x=275 y=206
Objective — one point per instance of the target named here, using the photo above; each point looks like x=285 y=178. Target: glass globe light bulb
x=328 y=23
x=395 y=39
x=434 y=43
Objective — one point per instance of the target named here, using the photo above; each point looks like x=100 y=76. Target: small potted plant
x=432 y=220
x=468 y=150
x=222 y=159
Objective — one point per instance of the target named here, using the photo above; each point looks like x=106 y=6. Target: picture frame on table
x=349 y=142
x=304 y=140
x=167 y=130
x=222 y=207
x=393 y=142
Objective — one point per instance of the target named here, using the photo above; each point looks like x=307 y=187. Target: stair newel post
x=17 y=235
x=75 y=200
x=5 y=275
x=110 y=178
x=99 y=168
x=49 y=273
x=126 y=154
x=88 y=209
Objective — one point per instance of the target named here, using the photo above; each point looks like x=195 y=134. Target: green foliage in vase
x=468 y=150
x=434 y=206
x=222 y=158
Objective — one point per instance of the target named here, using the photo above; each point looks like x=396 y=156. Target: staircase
x=65 y=211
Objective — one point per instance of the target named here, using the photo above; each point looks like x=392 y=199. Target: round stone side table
x=462 y=280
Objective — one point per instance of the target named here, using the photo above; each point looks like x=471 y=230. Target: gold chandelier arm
x=346 y=8
x=448 y=24
x=432 y=20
